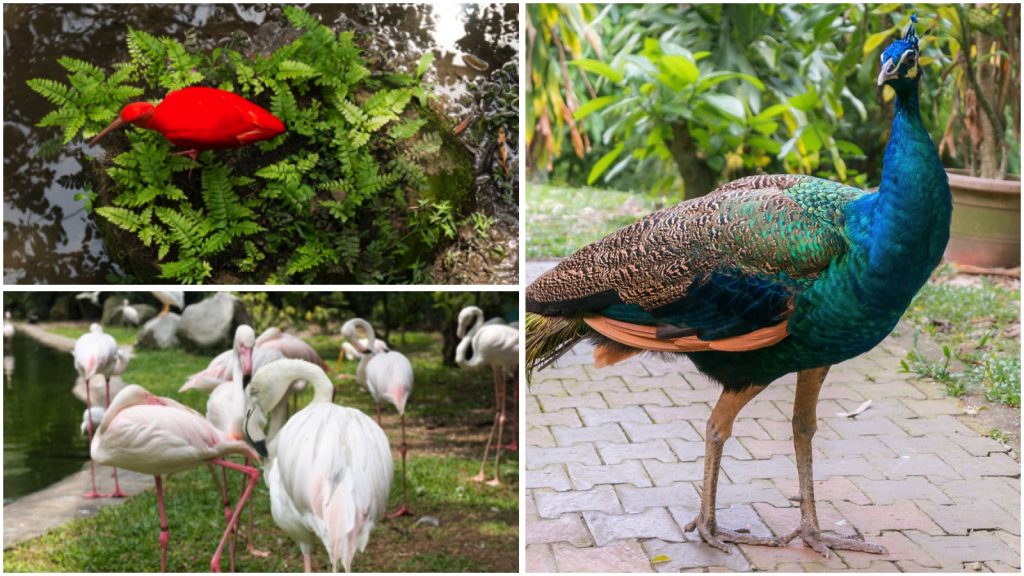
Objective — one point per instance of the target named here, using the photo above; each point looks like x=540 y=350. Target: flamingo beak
x=117 y=123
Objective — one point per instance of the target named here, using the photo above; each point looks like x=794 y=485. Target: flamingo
x=8 y=325
x=170 y=298
x=226 y=407
x=330 y=467
x=291 y=347
x=498 y=346
x=128 y=313
x=349 y=352
x=91 y=297
x=92 y=417
x=386 y=376
x=199 y=118
x=96 y=353
x=158 y=436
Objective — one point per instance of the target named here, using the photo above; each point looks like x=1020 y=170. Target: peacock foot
x=823 y=543
x=717 y=537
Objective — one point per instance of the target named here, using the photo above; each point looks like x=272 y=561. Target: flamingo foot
x=402 y=511
x=117 y=493
x=478 y=478
x=257 y=553
x=92 y=494
x=494 y=482
x=512 y=446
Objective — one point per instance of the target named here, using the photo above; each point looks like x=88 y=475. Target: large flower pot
x=986 y=221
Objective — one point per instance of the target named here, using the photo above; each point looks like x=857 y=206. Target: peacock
x=763 y=277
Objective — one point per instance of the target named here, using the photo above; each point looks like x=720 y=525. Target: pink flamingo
x=386 y=376
x=158 y=436
x=498 y=346
x=96 y=353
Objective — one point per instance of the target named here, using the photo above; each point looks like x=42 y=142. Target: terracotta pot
x=985 y=230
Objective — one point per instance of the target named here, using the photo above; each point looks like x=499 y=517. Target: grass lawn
x=562 y=220
x=447 y=419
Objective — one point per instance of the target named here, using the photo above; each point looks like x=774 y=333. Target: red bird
x=198 y=118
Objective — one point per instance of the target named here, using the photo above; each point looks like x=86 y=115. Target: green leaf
x=681 y=67
x=292 y=69
x=593 y=105
x=805 y=102
x=601 y=165
x=770 y=112
x=875 y=40
x=599 y=68
x=728 y=105
x=424 y=64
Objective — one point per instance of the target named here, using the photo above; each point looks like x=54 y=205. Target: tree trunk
x=990 y=147
x=698 y=177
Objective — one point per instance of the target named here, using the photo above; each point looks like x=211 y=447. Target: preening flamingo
x=92 y=417
x=386 y=376
x=330 y=467
x=198 y=118
x=290 y=346
x=158 y=436
x=96 y=354
x=170 y=298
x=496 y=345
x=349 y=352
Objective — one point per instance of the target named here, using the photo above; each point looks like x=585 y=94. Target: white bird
x=291 y=346
x=8 y=325
x=92 y=417
x=170 y=298
x=158 y=436
x=496 y=345
x=129 y=314
x=93 y=297
x=330 y=467
x=386 y=376
x=351 y=354
x=96 y=354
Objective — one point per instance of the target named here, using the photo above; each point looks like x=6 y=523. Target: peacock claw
x=717 y=537
x=824 y=543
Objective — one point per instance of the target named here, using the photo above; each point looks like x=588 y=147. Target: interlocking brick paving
x=614 y=463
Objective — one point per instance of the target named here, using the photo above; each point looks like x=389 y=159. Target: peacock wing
x=716 y=267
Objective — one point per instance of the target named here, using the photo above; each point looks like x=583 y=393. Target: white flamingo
x=350 y=354
x=158 y=436
x=96 y=354
x=92 y=416
x=330 y=467
x=8 y=325
x=496 y=345
x=386 y=376
x=170 y=298
x=290 y=346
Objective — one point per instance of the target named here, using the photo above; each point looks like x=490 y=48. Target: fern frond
x=56 y=93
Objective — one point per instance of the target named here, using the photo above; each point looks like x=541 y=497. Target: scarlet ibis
x=198 y=118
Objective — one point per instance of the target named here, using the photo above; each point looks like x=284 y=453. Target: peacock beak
x=888 y=71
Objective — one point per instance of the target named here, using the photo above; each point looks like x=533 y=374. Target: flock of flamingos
x=328 y=467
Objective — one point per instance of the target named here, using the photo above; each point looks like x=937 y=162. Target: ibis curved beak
x=117 y=123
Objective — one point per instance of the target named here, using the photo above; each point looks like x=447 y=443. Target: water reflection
x=48 y=237
x=42 y=443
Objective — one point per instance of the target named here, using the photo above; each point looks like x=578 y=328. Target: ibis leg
x=805 y=424
x=719 y=429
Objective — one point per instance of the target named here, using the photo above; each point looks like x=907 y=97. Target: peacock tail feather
x=548 y=338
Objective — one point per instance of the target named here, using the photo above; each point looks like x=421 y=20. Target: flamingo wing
x=389 y=377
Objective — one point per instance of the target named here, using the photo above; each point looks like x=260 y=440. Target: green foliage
x=339 y=183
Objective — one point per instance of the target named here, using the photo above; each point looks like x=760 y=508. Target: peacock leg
x=718 y=431
x=805 y=424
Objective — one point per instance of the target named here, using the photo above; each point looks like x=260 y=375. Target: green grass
x=562 y=220
x=969 y=324
x=123 y=335
x=478 y=524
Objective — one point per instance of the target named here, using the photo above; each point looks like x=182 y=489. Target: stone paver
x=615 y=462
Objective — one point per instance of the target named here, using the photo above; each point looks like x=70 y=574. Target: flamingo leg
x=719 y=429
x=501 y=426
x=92 y=465
x=117 y=493
x=252 y=530
x=404 y=509
x=490 y=437
x=165 y=532
x=513 y=445
x=307 y=562
x=254 y=476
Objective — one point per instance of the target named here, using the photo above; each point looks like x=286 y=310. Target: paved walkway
x=614 y=464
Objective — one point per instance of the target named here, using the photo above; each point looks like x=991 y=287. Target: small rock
x=160 y=333
x=209 y=326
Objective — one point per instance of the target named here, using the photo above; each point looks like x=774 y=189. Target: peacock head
x=899 y=61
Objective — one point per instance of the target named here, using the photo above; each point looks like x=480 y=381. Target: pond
x=42 y=439
x=48 y=235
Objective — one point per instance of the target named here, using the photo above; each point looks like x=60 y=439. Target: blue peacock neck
x=910 y=216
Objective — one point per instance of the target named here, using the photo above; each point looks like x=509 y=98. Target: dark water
x=42 y=440
x=48 y=237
